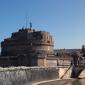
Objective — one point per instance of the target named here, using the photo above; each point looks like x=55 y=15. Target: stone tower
x=27 y=41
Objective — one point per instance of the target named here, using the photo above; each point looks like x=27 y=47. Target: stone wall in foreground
x=26 y=75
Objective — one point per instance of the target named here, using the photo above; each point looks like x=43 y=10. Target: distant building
x=70 y=51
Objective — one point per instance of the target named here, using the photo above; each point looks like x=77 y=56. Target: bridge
x=77 y=66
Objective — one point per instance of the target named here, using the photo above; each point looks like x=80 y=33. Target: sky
x=64 y=19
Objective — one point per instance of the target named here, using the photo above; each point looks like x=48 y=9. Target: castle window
x=48 y=41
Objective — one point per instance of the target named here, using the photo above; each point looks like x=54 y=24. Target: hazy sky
x=64 y=19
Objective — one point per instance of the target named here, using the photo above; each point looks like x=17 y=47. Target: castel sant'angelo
x=28 y=47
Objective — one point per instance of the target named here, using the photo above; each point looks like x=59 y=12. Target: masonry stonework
x=27 y=47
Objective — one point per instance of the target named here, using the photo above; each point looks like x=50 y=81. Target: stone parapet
x=26 y=75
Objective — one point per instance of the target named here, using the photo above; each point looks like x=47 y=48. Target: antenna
x=26 y=21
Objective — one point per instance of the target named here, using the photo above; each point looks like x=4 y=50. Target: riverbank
x=35 y=76
x=56 y=82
